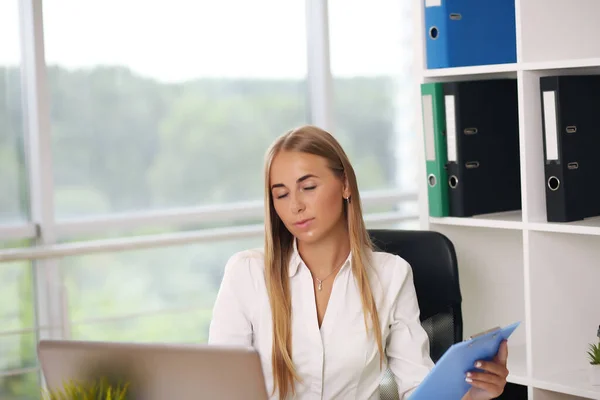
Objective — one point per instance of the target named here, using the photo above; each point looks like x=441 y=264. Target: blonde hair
x=279 y=247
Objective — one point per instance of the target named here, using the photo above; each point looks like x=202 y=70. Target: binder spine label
x=433 y=3
x=428 y=128
x=550 y=128
x=450 y=127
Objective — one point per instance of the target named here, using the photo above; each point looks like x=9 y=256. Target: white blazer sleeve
x=408 y=343
x=231 y=318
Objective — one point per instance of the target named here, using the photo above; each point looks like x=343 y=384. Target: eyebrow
x=299 y=180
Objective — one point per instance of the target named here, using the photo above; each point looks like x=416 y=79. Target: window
x=176 y=109
x=373 y=90
x=159 y=107
x=18 y=363
x=162 y=294
x=13 y=185
x=20 y=387
x=16 y=313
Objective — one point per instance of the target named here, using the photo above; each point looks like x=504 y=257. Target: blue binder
x=447 y=378
x=461 y=33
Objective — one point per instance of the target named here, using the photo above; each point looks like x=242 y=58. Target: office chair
x=433 y=260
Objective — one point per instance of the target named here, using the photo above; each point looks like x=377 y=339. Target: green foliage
x=12 y=163
x=594 y=354
x=121 y=143
x=100 y=390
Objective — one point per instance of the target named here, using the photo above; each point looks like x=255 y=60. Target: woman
x=326 y=313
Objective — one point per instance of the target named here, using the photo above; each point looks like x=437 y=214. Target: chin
x=305 y=235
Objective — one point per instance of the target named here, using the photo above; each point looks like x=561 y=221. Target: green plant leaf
x=98 y=390
x=594 y=353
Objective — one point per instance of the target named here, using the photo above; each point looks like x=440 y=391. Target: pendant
x=320 y=287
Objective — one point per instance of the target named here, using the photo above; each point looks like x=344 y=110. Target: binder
x=482 y=125
x=434 y=126
x=571 y=137
x=447 y=378
x=462 y=33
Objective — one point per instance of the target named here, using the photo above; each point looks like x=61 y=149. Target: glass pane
x=20 y=387
x=153 y=227
x=128 y=286
x=16 y=297
x=184 y=327
x=374 y=90
x=13 y=204
x=169 y=115
x=17 y=351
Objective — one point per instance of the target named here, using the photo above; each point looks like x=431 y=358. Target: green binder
x=434 y=127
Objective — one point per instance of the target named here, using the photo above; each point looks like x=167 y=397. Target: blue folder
x=447 y=378
x=461 y=33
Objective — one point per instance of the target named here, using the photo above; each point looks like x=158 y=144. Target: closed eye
x=281 y=196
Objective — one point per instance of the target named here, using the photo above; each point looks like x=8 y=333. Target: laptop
x=156 y=371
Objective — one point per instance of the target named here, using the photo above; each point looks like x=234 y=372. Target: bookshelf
x=515 y=265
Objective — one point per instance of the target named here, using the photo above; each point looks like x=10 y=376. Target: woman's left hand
x=489 y=383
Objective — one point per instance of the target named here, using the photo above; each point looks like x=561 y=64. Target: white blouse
x=337 y=361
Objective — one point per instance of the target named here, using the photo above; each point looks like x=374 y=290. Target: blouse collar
x=296 y=260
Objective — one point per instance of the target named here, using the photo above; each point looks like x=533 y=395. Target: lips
x=303 y=223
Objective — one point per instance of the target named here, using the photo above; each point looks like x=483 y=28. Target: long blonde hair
x=279 y=247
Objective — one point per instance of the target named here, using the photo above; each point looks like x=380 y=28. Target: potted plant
x=102 y=389
x=594 y=358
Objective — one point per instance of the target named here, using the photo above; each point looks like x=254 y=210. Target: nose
x=297 y=205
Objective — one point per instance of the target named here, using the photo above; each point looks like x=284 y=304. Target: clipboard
x=446 y=380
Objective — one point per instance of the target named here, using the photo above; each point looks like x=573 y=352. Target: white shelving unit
x=516 y=265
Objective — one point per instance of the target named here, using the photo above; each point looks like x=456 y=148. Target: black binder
x=482 y=131
x=571 y=136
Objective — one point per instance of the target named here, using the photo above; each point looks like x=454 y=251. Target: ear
x=346 y=193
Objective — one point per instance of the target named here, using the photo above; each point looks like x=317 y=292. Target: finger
x=493 y=368
x=490 y=388
x=502 y=355
x=485 y=377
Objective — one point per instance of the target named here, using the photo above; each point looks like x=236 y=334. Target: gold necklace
x=320 y=281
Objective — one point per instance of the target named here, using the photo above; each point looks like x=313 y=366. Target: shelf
x=588 y=226
x=533 y=162
x=564 y=276
x=573 y=382
x=517 y=363
x=470 y=71
x=558 y=30
x=503 y=220
x=490 y=263
x=544 y=394
x=567 y=66
x=517 y=266
x=559 y=65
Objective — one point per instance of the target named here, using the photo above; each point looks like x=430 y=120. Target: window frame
x=51 y=315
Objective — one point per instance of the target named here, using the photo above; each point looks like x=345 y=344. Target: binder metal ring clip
x=453 y=181
x=433 y=32
x=470 y=131
x=455 y=16
x=571 y=129
x=472 y=164
x=573 y=165
x=553 y=183
x=431 y=179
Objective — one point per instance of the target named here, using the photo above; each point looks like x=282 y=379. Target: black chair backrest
x=435 y=270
